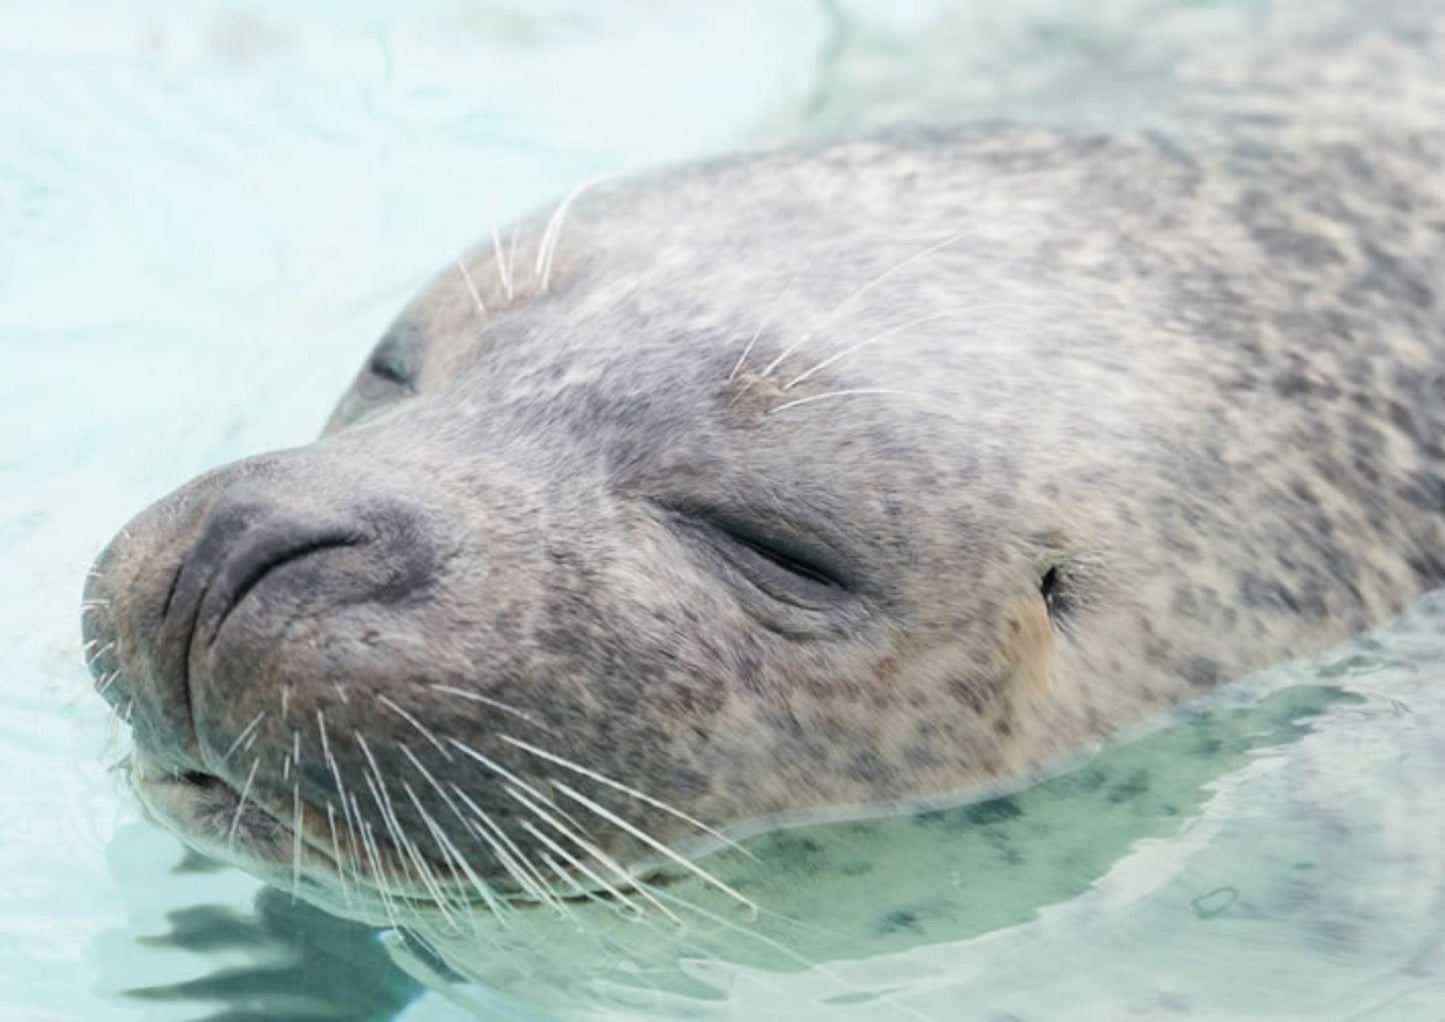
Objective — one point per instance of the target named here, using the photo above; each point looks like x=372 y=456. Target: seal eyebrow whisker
x=547 y=249
x=854 y=393
x=244 y=733
x=656 y=803
x=503 y=270
x=862 y=290
x=493 y=703
x=880 y=335
x=655 y=844
x=426 y=733
x=241 y=805
x=472 y=287
x=759 y=332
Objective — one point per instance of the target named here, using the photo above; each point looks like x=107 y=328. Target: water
x=207 y=211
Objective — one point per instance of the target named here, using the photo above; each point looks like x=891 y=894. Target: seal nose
x=245 y=538
x=197 y=592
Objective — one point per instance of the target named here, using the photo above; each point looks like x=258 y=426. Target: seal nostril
x=248 y=568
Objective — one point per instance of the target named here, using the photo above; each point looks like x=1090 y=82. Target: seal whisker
x=499 y=770
x=592 y=849
x=105 y=683
x=516 y=863
x=340 y=787
x=655 y=844
x=502 y=855
x=547 y=249
x=241 y=805
x=737 y=368
x=455 y=856
x=504 y=272
x=472 y=288
x=625 y=905
x=426 y=733
x=656 y=803
x=369 y=843
x=493 y=703
x=404 y=845
x=245 y=733
x=512 y=257
x=854 y=392
x=343 y=866
x=297 y=825
x=382 y=798
x=859 y=292
x=873 y=339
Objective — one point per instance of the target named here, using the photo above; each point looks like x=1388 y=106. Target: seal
x=837 y=476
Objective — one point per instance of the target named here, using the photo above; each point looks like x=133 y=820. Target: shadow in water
x=285 y=961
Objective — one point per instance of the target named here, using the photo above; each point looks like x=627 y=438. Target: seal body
x=833 y=476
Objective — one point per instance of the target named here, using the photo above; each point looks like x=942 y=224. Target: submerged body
x=828 y=477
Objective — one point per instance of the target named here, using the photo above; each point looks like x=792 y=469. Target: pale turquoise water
x=207 y=211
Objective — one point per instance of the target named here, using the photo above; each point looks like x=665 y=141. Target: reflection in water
x=285 y=960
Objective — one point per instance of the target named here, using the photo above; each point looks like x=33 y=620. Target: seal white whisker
x=455 y=856
x=241 y=805
x=245 y=732
x=498 y=769
x=472 y=289
x=404 y=846
x=856 y=392
x=105 y=683
x=873 y=339
x=343 y=865
x=592 y=849
x=527 y=876
x=400 y=838
x=285 y=699
x=738 y=367
x=504 y=273
x=383 y=888
x=547 y=249
x=341 y=792
x=655 y=845
x=493 y=703
x=93 y=605
x=506 y=860
x=859 y=292
x=600 y=778
x=628 y=908
x=297 y=826
x=422 y=728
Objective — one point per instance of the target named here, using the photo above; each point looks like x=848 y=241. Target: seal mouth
x=316 y=856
